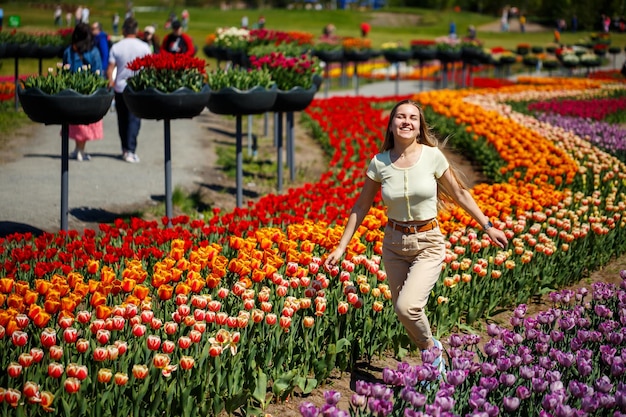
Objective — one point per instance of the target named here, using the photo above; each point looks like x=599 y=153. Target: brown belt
x=413 y=229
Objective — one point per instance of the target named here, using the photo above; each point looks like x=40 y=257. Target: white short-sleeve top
x=409 y=193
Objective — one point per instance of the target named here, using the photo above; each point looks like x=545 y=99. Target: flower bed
x=235 y=310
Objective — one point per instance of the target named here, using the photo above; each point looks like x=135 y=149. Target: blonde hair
x=425 y=137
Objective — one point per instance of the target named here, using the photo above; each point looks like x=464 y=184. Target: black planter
x=3 y=50
x=49 y=51
x=329 y=56
x=11 y=50
x=424 y=54
x=67 y=106
x=550 y=65
x=239 y=58
x=507 y=60
x=397 y=56
x=232 y=101
x=471 y=54
x=356 y=56
x=157 y=105
x=209 y=51
x=296 y=99
x=27 y=50
x=449 y=56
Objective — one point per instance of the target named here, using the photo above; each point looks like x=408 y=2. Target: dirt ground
x=310 y=163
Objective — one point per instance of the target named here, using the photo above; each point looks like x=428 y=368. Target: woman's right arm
x=358 y=213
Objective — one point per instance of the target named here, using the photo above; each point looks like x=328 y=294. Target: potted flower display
x=240 y=91
x=423 y=49
x=62 y=96
x=167 y=86
x=357 y=49
x=394 y=52
x=328 y=51
x=295 y=78
x=448 y=50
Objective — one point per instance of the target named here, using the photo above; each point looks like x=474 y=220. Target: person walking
x=82 y=55
x=413 y=175
x=116 y=23
x=120 y=55
x=58 y=16
x=101 y=41
x=177 y=42
x=151 y=39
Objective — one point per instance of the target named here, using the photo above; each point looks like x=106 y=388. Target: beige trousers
x=413 y=265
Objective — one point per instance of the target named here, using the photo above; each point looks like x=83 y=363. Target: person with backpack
x=178 y=42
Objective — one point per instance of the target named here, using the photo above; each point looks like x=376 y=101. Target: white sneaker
x=131 y=157
x=439 y=362
x=80 y=156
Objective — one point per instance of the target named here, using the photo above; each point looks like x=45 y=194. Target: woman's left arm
x=464 y=199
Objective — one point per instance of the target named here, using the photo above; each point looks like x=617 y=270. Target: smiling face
x=405 y=123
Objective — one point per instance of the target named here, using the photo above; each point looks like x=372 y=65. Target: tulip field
x=231 y=312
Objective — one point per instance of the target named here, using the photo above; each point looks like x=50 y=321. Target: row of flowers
x=235 y=310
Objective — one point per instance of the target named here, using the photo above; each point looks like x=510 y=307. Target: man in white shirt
x=120 y=55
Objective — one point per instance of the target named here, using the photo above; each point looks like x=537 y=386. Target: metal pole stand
x=279 y=152
x=239 y=152
x=168 y=171
x=65 y=156
x=291 y=155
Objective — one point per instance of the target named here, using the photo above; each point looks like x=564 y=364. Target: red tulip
x=71 y=385
x=55 y=370
x=121 y=378
x=19 y=338
x=130 y=311
x=285 y=323
x=187 y=362
x=103 y=336
x=83 y=316
x=70 y=335
x=195 y=336
x=140 y=371
x=156 y=323
x=139 y=330
x=221 y=318
x=215 y=350
x=97 y=325
x=14 y=369
x=122 y=346
x=342 y=308
x=31 y=389
x=168 y=346
x=184 y=342
x=22 y=320
x=153 y=342
x=171 y=328
x=308 y=321
x=65 y=321
x=100 y=354
x=12 y=397
x=271 y=319
x=222 y=293
x=55 y=352
x=25 y=359
x=47 y=398
x=104 y=375
x=74 y=370
x=82 y=345
x=160 y=360
x=37 y=354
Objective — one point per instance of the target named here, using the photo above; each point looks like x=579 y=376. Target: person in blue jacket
x=82 y=55
x=101 y=41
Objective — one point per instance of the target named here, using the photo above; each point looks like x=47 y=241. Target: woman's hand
x=333 y=258
x=497 y=237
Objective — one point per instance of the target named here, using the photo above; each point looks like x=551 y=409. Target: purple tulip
x=607 y=353
x=416 y=399
x=606 y=400
x=493 y=348
x=603 y=384
x=308 y=409
x=392 y=377
x=493 y=330
x=583 y=322
x=539 y=384
x=516 y=361
x=472 y=339
x=545 y=362
x=564 y=410
x=585 y=353
x=590 y=404
x=617 y=367
x=531 y=334
x=461 y=363
x=584 y=367
x=616 y=338
x=579 y=389
x=444 y=403
x=488 y=368
x=620 y=397
x=520 y=310
x=510 y=404
x=566 y=359
x=379 y=406
x=508 y=380
x=358 y=401
x=550 y=401
x=556 y=336
x=541 y=348
x=456 y=377
x=622 y=274
x=522 y=392
x=363 y=388
x=511 y=338
x=566 y=323
x=332 y=397
x=491 y=409
x=488 y=382
x=515 y=322
x=503 y=363
x=455 y=341
x=526 y=372
x=477 y=398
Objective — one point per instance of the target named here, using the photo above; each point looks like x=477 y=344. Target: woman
x=151 y=39
x=82 y=55
x=412 y=173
